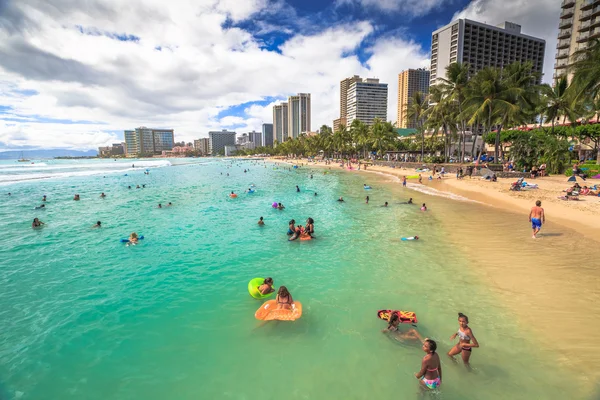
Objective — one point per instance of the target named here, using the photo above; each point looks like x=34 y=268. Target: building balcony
x=562 y=54
x=567 y=3
x=564 y=34
x=584 y=37
x=566 y=13
x=587 y=14
x=585 y=25
x=566 y=23
x=586 y=4
x=594 y=34
x=561 y=64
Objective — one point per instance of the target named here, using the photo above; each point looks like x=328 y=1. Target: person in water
x=76 y=198
x=41 y=207
x=128 y=187
x=133 y=239
x=423 y=207
x=37 y=223
x=297 y=232
x=284 y=299
x=169 y=204
x=267 y=286
x=98 y=225
x=367 y=200
x=315 y=193
x=102 y=195
x=466 y=340
x=393 y=324
x=44 y=198
x=159 y=205
x=280 y=206
x=409 y=201
x=386 y=204
x=537 y=217
x=341 y=199
x=430 y=375
x=309 y=229
x=291 y=227
x=260 y=221
x=138 y=187
x=297 y=188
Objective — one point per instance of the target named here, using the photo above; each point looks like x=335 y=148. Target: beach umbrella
x=575 y=178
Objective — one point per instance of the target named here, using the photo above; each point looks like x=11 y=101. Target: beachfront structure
x=344 y=86
x=267 y=135
x=148 y=141
x=202 y=145
x=579 y=25
x=367 y=100
x=298 y=114
x=217 y=140
x=280 y=122
x=410 y=82
x=117 y=149
x=481 y=45
x=255 y=137
x=242 y=139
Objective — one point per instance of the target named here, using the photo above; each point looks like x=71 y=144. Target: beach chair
x=516 y=186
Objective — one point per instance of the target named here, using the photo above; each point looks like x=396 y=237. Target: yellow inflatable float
x=269 y=312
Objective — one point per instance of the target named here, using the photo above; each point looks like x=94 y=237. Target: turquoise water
x=85 y=317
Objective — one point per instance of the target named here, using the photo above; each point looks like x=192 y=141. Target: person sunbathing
x=585 y=191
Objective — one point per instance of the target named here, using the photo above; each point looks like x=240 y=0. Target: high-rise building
x=367 y=100
x=579 y=25
x=219 y=139
x=255 y=137
x=202 y=145
x=481 y=45
x=344 y=86
x=299 y=114
x=267 y=135
x=410 y=82
x=280 y=122
x=148 y=141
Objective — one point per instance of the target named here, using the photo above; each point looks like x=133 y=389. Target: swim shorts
x=536 y=223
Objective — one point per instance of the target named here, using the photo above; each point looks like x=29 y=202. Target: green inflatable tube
x=253 y=286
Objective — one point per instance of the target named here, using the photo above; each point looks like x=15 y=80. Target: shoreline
x=582 y=216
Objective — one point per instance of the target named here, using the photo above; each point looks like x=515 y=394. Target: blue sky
x=75 y=75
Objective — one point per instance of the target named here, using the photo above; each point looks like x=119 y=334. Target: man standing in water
x=537 y=218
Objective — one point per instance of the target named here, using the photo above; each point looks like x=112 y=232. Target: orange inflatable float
x=269 y=312
x=233 y=195
x=305 y=236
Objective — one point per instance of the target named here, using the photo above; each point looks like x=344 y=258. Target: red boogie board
x=406 y=317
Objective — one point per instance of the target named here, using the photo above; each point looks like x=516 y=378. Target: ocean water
x=85 y=317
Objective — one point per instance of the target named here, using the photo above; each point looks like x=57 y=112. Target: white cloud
x=537 y=18
x=410 y=7
x=201 y=69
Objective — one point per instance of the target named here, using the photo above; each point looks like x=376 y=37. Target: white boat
x=22 y=159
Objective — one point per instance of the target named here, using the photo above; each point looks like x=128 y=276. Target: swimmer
x=102 y=195
x=76 y=198
x=297 y=232
x=37 y=223
x=423 y=207
x=159 y=205
x=9 y=193
x=385 y=204
x=409 y=201
x=367 y=200
x=291 y=227
x=133 y=239
x=393 y=324
x=280 y=206
x=266 y=287
x=315 y=193
x=310 y=227
x=340 y=199
x=98 y=225
x=169 y=204
x=137 y=187
x=261 y=222
x=297 y=188
x=128 y=187
x=310 y=176
x=284 y=299
x=43 y=206
x=44 y=198
x=465 y=336
x=143 y=186
x=430 y=375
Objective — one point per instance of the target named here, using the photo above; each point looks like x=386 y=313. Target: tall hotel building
x=344 y=85
x=410 y=82
x=280 y=122
x=579 y=25
x=217 y=140
x=299 y=114
x=366 y=100
x=481 y=46
x=267 y=135
x=148 y=141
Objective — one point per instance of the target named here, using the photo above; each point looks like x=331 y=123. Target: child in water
x=267 y=286
x=260 y=221
x=133 y=239
x=423 y=207
x=393 y=324
x=284 y=299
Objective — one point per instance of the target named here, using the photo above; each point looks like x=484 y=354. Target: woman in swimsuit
x=393 y=324
x=430 y=375
x=310 y=227
x=284 y=299
x=465 y=336
x=267 y=286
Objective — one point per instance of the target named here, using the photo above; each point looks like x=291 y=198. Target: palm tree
x=359 y=132
x=442 y=114
x=557 y=101
x=454 y=87
x=586 y=71
x=416 y=110
x=382 y=136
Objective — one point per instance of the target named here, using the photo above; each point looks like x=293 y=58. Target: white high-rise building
x=298 y=114
x=280 y=122
x=367 y=100
x=481 y=45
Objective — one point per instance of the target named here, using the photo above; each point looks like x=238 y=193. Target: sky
x=74 y=74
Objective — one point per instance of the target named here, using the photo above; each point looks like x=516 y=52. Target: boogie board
x=406 y=317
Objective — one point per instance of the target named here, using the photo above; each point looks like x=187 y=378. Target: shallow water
x=84 y=316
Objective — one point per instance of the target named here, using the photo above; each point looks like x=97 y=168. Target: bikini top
x=463 y=336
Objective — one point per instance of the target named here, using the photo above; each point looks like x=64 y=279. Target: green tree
x=454 y=87
x=417 y=110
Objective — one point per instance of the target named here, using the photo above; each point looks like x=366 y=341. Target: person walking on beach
x=537 y=218
x=420 y=179
x=404 y=181
x=430 y=375
x=465 y=336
